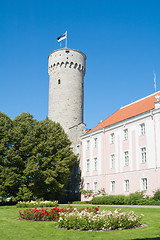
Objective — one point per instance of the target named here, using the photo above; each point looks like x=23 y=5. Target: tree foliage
x=35 y=158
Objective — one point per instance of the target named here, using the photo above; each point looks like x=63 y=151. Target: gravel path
x=129 y=206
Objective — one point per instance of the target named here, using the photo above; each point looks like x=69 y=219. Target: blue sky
x=121 y=39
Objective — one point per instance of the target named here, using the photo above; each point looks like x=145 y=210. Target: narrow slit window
x=59 y=81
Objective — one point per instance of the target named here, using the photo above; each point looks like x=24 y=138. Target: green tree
x=38 y=160
x=5 y=144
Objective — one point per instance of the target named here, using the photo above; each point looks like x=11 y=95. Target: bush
x=84 y=218
x=96 y=220
x=40 y=214
x=132 y=198
x=81 y=202
x=38 y=204
x=44 y=214
x=145 y=201
x=157 y=195
x=136 y=198
x=109 y=200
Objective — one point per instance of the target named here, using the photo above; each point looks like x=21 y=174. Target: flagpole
x=66 y=39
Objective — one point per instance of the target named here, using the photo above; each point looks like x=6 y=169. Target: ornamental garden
x=89 y=218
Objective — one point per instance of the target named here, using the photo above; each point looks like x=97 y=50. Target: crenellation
x=66 y=64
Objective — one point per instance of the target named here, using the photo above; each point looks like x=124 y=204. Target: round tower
x=66 y=69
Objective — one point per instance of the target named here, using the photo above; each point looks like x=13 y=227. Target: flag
x=62 y=37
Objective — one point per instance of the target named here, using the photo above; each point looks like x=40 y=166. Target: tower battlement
x=66 y=58
x=66 y=64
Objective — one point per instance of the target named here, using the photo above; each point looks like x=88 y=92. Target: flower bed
x=84 y=218
x=32 y=204
x=44 y=214
x=105 y=220
x=40 y=214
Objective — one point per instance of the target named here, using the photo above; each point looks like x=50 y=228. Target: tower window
x=59 y=81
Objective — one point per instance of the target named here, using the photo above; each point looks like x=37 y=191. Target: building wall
x=136 y=171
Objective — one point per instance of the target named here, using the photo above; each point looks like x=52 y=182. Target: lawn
x=12 y=229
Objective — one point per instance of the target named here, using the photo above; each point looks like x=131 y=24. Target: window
x=126 y=158
x=88 y=145
x=88 y=186
x=113 y=186
x=95 y=164
x=59 y=81
x=126 y=185
x=143 y=155
x=112 y=160
x=78 y=149
x=95 y=187
x=142 y=129
x=125 y=134
x=95 y=142
x=88 y=165
x=144 y=184
x=112 y=138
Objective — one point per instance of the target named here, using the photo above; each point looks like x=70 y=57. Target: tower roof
x=68 y=49
x=141 y=106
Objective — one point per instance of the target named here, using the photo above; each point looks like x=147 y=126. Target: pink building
x=122 y=153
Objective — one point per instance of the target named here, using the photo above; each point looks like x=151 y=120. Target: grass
x=12 y=229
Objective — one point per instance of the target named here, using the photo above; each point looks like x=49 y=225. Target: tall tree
x=5 y=144
x=37 y=161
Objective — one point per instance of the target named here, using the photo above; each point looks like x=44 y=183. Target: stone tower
x=66 y=70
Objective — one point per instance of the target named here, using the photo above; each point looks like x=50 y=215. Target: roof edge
x=139 y=100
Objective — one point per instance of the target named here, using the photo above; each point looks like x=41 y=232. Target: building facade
x=122 y=153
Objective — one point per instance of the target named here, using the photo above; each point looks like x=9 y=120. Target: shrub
x=44 y=214
x=38 y=204
x=84 y=218
x=109 y=200
x=81 y=202
x=40 y=214
x=105 y=220
x=157 y=195
x=145 y=201
x=132 y=198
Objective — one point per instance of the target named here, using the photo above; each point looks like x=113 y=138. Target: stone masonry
x=66 y=70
